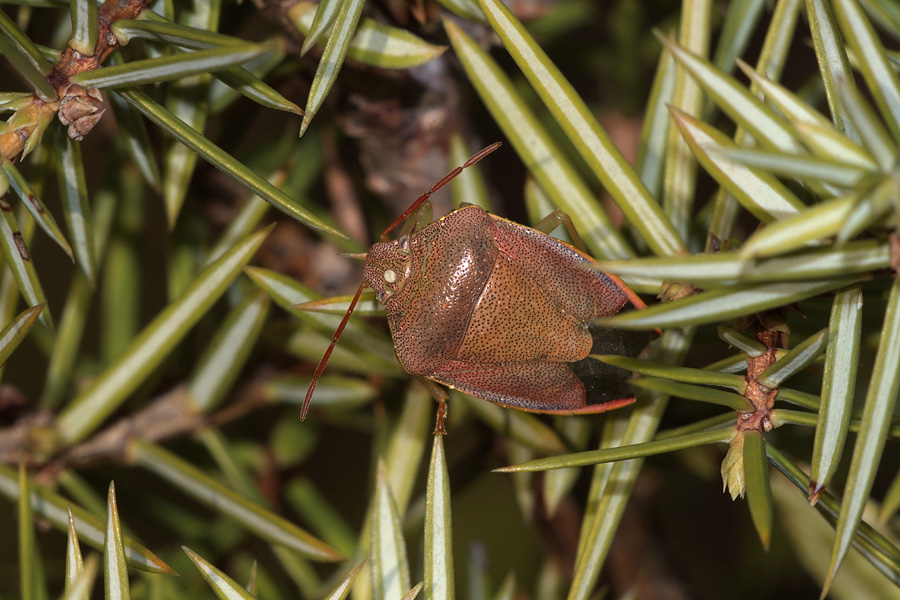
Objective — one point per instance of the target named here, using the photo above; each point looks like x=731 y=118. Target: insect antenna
x=337 y=336
x=446 y=179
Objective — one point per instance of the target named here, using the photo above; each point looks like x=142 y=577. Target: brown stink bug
x=499 y=311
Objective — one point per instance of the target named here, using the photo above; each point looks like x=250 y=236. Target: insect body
x=500 y=311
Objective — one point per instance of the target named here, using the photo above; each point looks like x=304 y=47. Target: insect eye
x=403 y=241
x=390 y=276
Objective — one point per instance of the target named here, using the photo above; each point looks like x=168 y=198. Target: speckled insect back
x=501 y=312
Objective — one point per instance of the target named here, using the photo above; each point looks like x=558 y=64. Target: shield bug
x=499 y=311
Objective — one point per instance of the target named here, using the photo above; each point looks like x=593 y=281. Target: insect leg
x=439 y=428
x=557 y=218
x=440 y=396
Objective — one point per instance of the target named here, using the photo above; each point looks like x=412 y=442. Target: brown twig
x=72 y=62
x=761 y=397
x=79 y=108
x=170 y=415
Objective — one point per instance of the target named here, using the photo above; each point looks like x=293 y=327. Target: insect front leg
x=440 y=396
x=557 y=218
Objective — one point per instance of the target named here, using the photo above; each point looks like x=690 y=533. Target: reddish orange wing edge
x=589 y=409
